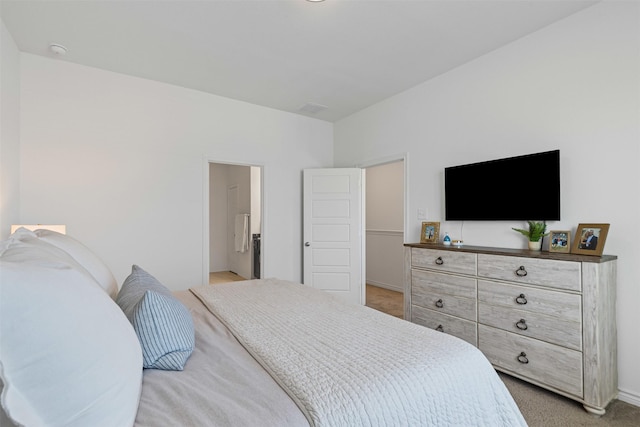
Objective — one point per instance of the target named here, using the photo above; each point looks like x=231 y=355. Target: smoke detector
x=57 y=49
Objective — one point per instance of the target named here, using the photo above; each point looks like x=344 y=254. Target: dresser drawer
x=463 y=329
x=454 y=262
x=455 y=295
x=535 y=325
x=544 y=272
x=546 y=363
x=534 y=300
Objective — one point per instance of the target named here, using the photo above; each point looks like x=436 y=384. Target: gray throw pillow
x=163 y=324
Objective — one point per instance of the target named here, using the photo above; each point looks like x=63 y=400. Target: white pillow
x=85 y=258
x=23 y=242
x=68 y=355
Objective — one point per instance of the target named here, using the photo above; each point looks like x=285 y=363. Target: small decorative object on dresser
x=446 y=240
x=429 y=233
x=560 y=241
x=590 y=239
x=537 y=230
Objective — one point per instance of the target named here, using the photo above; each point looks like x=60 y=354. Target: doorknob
x=307 y=244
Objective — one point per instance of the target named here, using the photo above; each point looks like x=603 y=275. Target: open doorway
x=384 y=227
x=235 y=222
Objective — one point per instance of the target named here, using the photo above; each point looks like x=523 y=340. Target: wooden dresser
x=546 y=318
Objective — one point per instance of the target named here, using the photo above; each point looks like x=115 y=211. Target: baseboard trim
x=385 y=286
x=629 y=397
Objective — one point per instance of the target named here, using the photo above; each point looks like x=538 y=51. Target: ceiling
x=284 y=54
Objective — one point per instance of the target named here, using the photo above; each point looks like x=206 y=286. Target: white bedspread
x=349 y=365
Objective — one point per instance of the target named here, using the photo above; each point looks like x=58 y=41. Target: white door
x=333 y=237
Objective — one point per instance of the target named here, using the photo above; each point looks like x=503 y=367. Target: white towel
x=242 y=233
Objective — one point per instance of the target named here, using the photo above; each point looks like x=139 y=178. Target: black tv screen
x=515 y=188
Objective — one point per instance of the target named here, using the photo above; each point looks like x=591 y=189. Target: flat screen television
x=515 y=188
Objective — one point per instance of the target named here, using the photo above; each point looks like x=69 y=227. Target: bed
x=77 y=349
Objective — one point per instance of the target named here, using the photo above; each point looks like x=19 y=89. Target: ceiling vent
x=312 y=108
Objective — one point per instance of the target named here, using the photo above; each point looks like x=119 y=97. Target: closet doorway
x=235 y=222
x=385 y=225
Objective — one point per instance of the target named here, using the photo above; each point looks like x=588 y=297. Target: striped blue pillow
x=163 y=324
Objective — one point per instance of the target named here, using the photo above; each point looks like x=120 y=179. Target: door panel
x=331 y=233
x=332 y=281
x=334 y=232
x=331 y=208
x=331 y=257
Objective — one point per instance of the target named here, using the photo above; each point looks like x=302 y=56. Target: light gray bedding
x=299 y=366
x=349 y=365
x=221 y=385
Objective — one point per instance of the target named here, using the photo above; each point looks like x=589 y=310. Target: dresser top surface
x=515 y=252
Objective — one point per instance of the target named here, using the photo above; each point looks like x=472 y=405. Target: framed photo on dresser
x=560 y=241
x=590 y=239
x=429 y=233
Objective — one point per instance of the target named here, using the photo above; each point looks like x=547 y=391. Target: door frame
x=205 y=212
x=392 y=159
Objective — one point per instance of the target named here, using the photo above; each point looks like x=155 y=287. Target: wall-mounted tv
x=515 y=188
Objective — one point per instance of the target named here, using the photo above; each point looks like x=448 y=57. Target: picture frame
x=590 y=239
x=560 y=241
x=430 y=232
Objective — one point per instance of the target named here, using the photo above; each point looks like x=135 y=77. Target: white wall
x=385 y=225
x=256 y=200
x=575 y=86
x=9 y=132
x=385 y=196
x=9 y=144
x=122 y=161
x=218 y=259
x=240 y=178
x=256 y=220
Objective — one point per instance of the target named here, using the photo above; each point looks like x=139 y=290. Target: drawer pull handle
x=522 y=325
x=522 y=358
x=522 y=300
x=440 y=303
x=439 y=261
x=440 y=328
x=521 y=272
